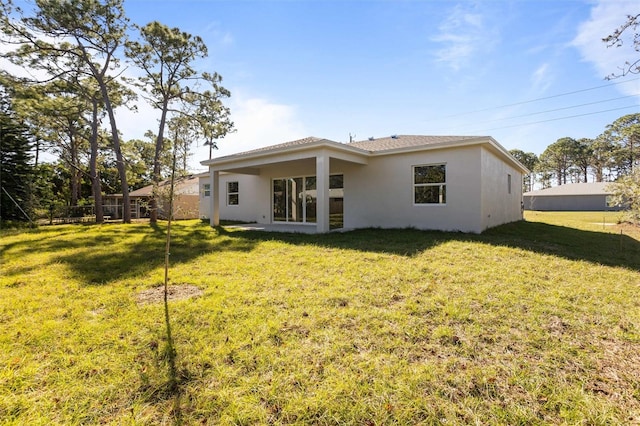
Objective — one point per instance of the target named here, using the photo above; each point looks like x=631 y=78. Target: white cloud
x=259 y=122
x=227 y=39
x=220 y=37
x=541 y=79
x=9 y=45
x=605 y=17
x=463 y=35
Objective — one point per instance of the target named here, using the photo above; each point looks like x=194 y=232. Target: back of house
x=452 y=183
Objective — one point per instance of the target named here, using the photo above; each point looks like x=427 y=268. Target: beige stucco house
x=452 y=183
x=186 y=201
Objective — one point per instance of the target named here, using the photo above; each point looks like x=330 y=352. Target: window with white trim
x=233 y=194
x=430 y=184
x=206 y=190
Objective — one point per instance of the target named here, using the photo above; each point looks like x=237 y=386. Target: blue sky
x=375 y=68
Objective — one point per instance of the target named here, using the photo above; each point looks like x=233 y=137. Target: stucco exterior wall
x=381 y=193
x=203 y=201
x=185 y=206
x=248 y=198
x=248 y=203
x=499 y=204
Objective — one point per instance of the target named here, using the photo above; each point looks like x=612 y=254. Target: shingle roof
x=405 y=141
x=386 y=145
x=374 y=145
x=592 y=188
x=289 y=144
x=181 y=184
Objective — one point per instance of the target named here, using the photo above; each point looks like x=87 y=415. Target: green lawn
x=536 y=322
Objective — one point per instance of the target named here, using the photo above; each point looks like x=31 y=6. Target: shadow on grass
x=103 y=255
x=570 y=243
x=147 y=254
x=100 y=255
x=604 y=248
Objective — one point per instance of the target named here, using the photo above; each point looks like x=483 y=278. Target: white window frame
x=206 y=190
x=441 y=185
x=236 y=193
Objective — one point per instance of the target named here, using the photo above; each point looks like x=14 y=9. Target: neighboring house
x=185 y=203
x=112 y=206
x=454 y=183
x=571 y=197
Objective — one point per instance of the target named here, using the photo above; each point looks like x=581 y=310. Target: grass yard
x=536 y=322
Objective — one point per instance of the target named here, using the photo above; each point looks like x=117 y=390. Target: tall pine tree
x=16 y=169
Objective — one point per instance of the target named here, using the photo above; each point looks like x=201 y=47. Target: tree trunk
x=631 y=156
x=598 y=174
x=104 y=92
x=532 y=181
x=122 y=171
x=153 y=202
x=75 y=174
x=96 y=185
x=559 y=173
x=37 y=156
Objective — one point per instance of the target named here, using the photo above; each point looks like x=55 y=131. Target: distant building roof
x=183 y=185
x=592 y=188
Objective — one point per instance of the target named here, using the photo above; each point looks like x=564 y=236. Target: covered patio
x=306 y=169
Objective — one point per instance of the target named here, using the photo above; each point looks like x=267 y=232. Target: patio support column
x=214 y=202
x=322 y=196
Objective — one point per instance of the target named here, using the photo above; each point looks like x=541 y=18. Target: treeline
x=608 y=157
x=78 y=61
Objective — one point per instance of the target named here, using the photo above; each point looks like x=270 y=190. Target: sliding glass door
x=310 y=199
x=279 y=200
x=336 y=201
x=294 y=200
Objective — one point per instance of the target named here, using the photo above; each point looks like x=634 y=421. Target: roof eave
x=508 y=155
x=455 y=144
x=326 y=143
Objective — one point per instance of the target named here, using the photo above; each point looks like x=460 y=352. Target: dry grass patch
x=174 y=292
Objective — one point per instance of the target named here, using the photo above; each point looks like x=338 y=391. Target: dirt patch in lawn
x=174 y=292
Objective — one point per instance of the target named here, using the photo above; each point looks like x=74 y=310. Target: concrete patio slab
x=277 y=227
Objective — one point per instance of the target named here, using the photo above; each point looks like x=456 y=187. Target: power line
x=561 y=109
x=561 y=118
x=541 y=99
